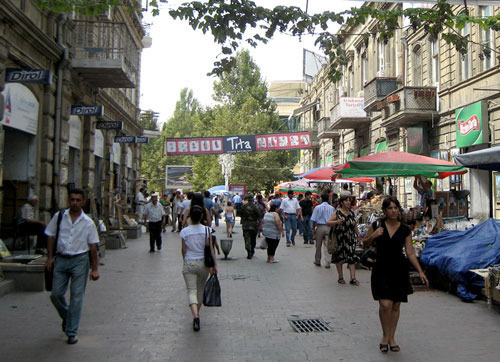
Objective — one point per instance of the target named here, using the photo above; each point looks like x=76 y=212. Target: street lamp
x=226 y=160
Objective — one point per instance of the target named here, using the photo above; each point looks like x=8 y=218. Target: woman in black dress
x=390 y=276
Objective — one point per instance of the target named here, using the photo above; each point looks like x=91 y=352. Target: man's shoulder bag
x=49 y=275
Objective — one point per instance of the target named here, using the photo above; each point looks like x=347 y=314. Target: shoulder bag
x=332 y=239
x=49 y=275
x=369 y=256
x=209 y=258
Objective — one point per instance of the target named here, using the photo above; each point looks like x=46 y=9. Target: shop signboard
x=19 y=75
x=117 y=125
x=240 y=189
x=142 y=140
x=20 y=108
x=472 y=124
x=352 y=107
x=177 y=177
x=79 y=110
x=380 y=146
x=124 y=139
x=415 y=140
x=237 y=143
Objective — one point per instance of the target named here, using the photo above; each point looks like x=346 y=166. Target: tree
x=237 y=21
x=149 y=120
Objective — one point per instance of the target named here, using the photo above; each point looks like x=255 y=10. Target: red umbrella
x=329 y=173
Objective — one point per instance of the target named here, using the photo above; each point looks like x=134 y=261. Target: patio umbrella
x=298 y=186
x=329 y=174
x=487 y=159
x=217 y=189
x=396 y=163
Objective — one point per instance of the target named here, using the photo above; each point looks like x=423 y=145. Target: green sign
x=380 y=146
x=364 y=151
x=472 y=125
x=415 y=140
x=329 y=160
x=350 y=156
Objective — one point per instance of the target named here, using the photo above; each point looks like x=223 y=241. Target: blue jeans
x=290 y=222
x=308 y=235
x=300 y=226
x=76 y=269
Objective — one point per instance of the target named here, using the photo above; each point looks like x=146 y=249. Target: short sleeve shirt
x=194 y=237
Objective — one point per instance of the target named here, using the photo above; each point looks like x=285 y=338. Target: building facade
x=45 y=146
x=406 y=93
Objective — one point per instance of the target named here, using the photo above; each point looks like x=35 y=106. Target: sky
x=181 y=57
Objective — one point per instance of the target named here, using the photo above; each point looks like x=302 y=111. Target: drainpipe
x=404 y=62
x=58 y=117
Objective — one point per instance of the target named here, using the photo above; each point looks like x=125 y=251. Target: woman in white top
x=194 y=238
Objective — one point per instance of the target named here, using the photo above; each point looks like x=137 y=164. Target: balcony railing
x=348 y=113
x=324 y=131
x=105 y=54
x=313 y=131
x=376 y=89
x=409 y=106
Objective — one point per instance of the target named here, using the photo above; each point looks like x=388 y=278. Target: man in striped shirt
x=321 y=230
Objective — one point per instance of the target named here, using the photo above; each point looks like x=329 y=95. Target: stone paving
x=138 y=311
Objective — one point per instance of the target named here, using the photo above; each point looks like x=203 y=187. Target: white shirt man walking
x=321 y=230
x=77 y=234
x=291 y=211
x=155 y=221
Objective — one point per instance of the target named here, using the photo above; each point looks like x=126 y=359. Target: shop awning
x=300 y=110
x=487 y=159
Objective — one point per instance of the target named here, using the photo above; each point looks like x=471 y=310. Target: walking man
x=321 y=230
x=77 y=235
x=251 y=222
x=237 y=203
x=291 y=212
x=154 y=219
x=306 y=205
x=140 y=201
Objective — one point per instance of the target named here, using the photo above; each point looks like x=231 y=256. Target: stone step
x=6 y=286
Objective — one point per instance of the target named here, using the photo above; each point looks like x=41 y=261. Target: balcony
x=313 y=132
x=348 y=113
x=409 y=106
x=105 y=54
x=377 y=89
x=324 y=131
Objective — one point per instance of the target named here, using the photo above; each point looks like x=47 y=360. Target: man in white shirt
x=291 y=211
x=140 y=201
x=77 y=234
x=155 y=221
x=321 y=230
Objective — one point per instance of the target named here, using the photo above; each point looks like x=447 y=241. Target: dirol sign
x=472 y=124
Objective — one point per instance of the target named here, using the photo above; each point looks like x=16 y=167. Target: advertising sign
x=118 y=125
x=472 y=124
x=78 y=110
x=352 y=107
x=176 y=177
x=18 y=75
x=124 y=139
x=240 y=189
x=380 y=146
x=142 y=140
x=415 y=140
x=20 y=108
x=237 y=144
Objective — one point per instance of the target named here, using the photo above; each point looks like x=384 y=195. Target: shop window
x=466 y=59
x=487 y=40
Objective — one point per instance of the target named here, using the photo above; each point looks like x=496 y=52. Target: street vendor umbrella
x=396 y=163
x=298 y=186
x=217 y=189
x=487 y=159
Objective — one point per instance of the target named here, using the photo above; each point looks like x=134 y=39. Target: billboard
x=472 y=124
x=176 y=177
x=237 y=144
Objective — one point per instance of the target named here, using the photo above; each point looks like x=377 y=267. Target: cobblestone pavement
x=138 y=311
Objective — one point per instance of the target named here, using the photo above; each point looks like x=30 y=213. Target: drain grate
x=309 y=325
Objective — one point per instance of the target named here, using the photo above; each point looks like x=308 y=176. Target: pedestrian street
x=137 y=311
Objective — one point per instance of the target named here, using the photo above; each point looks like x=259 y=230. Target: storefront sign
x=352 y=107
x=237 y=144
x=18 y=75
x=142 y=140
x=98 y=144
x=20 y=108
x=75 y=132
x=415 y=140
x=118 y=125
x=380 y=146
x=124 y=139
x=86 y=110
x=472 y=124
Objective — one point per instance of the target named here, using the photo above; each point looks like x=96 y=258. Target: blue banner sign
x=118 y=125
x=142 y=140
x=18 y=75
x=86 y=110
x=125 y=139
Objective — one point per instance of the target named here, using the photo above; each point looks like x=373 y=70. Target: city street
x=138 y=311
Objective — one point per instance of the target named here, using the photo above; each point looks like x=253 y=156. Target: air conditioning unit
x=105 y=15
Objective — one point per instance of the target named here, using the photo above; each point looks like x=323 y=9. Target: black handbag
x=369 y=256
x=211 y=294
x=209 y=258
x=49 y=275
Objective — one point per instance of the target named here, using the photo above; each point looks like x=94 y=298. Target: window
x=434 y=48
x=381 y=59
x=487 y=39
x=417 y=65
x=351 y=82
x=465 y=59
x=364 y=69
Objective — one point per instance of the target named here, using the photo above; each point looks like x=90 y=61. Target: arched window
x=466 y=59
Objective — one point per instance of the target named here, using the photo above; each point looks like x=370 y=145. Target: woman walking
x=390 y=279
x=230 y=216
x=195 y=273
x=272 y=229
x=347 y=232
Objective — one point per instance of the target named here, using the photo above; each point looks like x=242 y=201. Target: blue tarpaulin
x=454 y=253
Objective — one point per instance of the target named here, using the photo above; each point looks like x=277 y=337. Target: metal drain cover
x=309 y=325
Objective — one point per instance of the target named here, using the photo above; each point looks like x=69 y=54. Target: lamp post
x=226 y=160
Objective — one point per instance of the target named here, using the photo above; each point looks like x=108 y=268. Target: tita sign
x=472 y=124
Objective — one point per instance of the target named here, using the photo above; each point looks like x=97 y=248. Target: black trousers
x=34 y=228
x=272 y=244
x=155 y=235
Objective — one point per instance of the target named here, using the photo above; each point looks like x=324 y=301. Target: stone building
x=44 y=148
x=404 y=94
